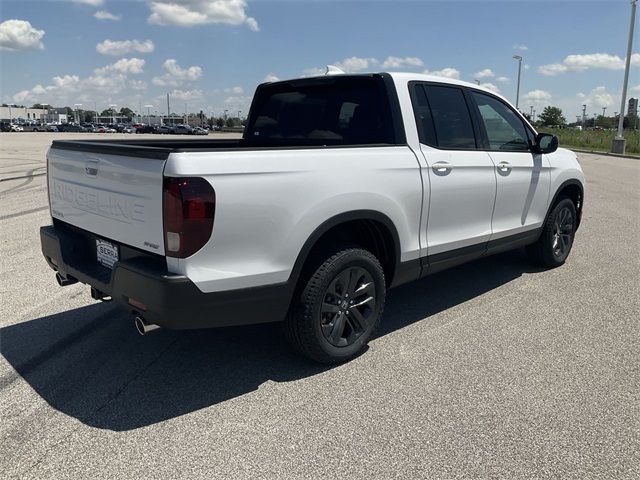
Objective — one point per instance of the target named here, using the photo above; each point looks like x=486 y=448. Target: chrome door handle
x=442 y=168
x=504 y=168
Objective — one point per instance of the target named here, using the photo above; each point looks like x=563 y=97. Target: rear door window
x=443 y=117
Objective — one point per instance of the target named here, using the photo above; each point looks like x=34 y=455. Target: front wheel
x=553 y=247
x=339 y=307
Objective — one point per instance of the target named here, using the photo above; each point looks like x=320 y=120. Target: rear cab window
x=349 y=110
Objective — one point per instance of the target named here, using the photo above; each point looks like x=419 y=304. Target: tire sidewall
x=562 y=204
x=351 y=258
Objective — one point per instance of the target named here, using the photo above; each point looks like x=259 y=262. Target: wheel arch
x=574 y=190
x=373 y=228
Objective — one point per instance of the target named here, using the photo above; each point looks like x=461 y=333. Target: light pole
x=239 y=112
x=534 y=115
x=531 y=107
x=44 y=120
x=619 y=144
x=519 y=59
x=225 y=115
x=584 y=115
x=112 y=113
x=75 y=116
x=10 y=116
x=477 y=81
x=148 y=114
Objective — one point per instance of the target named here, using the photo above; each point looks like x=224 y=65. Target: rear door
x=462 y=183
x=115 y=196
x=523 y=177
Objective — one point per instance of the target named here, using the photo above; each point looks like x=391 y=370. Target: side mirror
x=545 y=143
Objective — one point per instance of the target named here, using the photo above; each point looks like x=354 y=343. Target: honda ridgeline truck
x=341 y=187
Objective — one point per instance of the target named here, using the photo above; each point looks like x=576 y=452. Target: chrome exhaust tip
x=64 y=280
x=143 y=326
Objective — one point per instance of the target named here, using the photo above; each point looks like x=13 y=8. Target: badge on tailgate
x=107 y=253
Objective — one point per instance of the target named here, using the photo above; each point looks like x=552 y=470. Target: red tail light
x=189 y=208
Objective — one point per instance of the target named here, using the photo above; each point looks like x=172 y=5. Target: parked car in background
x=147 y=129
x=51 y=128
x=16 y=128
x=128 y=129
x=200 y=131
x=164 y=129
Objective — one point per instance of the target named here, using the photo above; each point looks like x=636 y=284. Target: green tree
x=552 y=116
x=219 y=122
x=126 y=112
x=231 y=122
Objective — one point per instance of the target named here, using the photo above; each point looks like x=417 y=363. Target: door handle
x=442 y=168
x=504 y=168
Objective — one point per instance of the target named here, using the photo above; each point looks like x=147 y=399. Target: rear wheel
x=339 y=307
x=555 y=242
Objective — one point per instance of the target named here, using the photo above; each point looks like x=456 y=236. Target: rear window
x=334 y=111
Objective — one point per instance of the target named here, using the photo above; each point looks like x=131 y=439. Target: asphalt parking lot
x=494 y=369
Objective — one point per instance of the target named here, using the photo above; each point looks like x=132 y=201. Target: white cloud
x=537 y=98
x=597 y=98
x=188 y=13
x=92 y=3
x=18 y=35
x=65 y=81
x=176 y=75
x=402 y=62
x=132 y=66
x=490 y=86
x=271 y=77
x=486 y=73
x=313 y=72
x=445 y=72
x=235 y=90
x=104 y=15
x=138 y=84
x=186 y=95
x=518 y=46
x=356 y=64
x=580 y=63
x=635 y=89
x=502 y=79
x=118 y=48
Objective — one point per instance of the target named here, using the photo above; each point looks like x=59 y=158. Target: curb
x=636 y=157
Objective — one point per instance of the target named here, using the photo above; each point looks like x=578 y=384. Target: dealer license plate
x=107 y=253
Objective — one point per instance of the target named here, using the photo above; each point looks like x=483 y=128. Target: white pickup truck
x=341 y=187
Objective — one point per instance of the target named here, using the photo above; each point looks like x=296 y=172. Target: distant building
x=632 y=109
x=24 y=114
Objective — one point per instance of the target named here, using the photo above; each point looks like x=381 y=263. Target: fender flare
x=328 y=224
x=566 y=183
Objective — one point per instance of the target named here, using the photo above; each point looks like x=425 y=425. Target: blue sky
x=210 y=54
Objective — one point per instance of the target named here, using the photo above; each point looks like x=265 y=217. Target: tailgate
x=115 y=196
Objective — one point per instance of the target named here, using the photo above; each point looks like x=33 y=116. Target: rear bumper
x=172 y=301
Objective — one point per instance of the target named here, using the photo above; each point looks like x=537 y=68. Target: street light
x=477 y=81
x=112 y=113
x=75 y=116
x=519 y=59
x=584 y=116
x=148 y=113
x=618 y=145
x=10 y=117
x=44 y=120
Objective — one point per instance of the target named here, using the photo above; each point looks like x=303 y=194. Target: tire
x=555 y=242
x=324 y=324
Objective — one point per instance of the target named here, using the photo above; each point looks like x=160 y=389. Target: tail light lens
x=189 y=207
